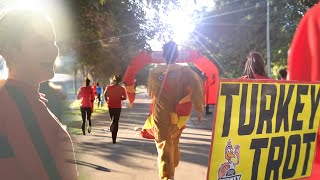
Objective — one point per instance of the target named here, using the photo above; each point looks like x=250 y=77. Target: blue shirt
x=99 y=90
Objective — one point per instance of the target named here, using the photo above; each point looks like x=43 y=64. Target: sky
x=3 y=69
x=181 y=20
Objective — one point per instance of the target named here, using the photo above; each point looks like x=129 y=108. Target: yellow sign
x=264 y=130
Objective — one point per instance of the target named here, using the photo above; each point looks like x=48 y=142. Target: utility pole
x=268 y=39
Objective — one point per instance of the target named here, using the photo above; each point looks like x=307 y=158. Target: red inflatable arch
x=200 y=61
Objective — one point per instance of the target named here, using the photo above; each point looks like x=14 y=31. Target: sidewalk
x=135 y=158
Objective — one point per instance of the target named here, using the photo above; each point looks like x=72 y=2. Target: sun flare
x=3 y=69
x=182 y=25
x=180 y=21
x=36 y=5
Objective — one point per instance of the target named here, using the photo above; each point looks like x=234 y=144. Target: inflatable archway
x=201 y=62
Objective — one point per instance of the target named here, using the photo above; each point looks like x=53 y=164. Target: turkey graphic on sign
x=227 y=170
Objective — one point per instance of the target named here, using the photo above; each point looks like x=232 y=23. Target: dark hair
x=97 y=84
x=254 y=65
x=283 y=73
x=87 y=81
x=170 y=52
x=117 y=78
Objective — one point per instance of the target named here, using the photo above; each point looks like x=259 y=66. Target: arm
x=92 y=96
x=79 y=94
x=106 y=94
x=124 y=94
x=237 y=153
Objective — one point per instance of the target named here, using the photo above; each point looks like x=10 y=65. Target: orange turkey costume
x=173 y=89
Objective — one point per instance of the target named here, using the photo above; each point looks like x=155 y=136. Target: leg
x=89 y=111
x=99 y=99
x=165 y=158
x=111 y=113
x=164 y=143
x=115 y=124
x=176 y=148
x=165 y=149
x=83 y=115
x=207 y=109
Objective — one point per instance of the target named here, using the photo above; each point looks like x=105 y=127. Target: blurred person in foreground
x=304 y=61
x=304 y=53
x=33 y=143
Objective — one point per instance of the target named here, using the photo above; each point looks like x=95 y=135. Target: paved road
x=134 y=158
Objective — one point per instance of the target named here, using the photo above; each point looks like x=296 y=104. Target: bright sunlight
x=3 y=69
x=36 y=5
x=180 y=21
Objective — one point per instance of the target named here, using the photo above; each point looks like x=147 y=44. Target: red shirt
x=86 y=95
x=94 y=89
x=19 y=156
x=304 y=52
x=115 y=94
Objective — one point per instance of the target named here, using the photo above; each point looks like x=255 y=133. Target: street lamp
x=268 y=39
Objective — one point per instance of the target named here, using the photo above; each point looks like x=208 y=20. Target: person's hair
x=97 y=84
x=87 y=80
x=254 y=65
x=13 y=23
x=283 y=73
x=117 y=78
x=170 y=52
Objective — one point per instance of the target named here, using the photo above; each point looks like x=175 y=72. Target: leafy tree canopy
x=111 y=32
x=235 y=27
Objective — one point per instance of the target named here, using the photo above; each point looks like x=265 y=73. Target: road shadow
x=131 y=149
x=94 y=166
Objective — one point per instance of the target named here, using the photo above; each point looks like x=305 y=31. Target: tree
x=234 y=28
x=111 y=33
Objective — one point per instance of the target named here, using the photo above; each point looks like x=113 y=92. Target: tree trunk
x=75 y=79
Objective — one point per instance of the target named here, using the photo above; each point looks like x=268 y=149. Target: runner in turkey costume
x=173 y=89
